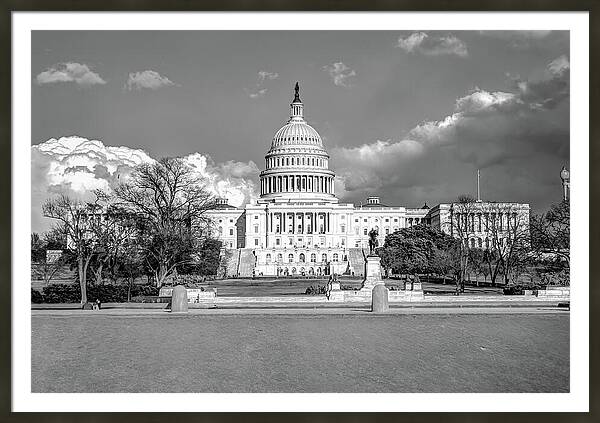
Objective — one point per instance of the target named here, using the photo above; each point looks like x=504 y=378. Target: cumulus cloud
x=513 y=136
x=76 y=166
x=259 y=90
x=262 y=75
x=420 y=42
x=549 y=90
x=340 y=74
x=78 y=73
x=147 y=79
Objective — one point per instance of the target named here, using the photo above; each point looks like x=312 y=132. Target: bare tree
x=77 y=220
x=462 y=228
x=550 y=232
x=507 y=240
x=116 y=227
x=170 y=203
x=44 y=266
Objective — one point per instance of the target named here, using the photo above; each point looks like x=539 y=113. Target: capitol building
x=298 y=227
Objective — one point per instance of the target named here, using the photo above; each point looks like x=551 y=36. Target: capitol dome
x=297 y=133
x=297 y=165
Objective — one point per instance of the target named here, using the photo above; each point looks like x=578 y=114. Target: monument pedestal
x=372 y=272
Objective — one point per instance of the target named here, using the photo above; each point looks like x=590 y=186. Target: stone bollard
x=379 y=299
x=179 y=300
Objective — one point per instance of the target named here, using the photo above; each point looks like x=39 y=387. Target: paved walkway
x=317 y=311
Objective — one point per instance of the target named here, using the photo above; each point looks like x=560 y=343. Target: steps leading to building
x=247 y=261
x=356 y=256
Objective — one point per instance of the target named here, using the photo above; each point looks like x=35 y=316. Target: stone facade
x=298 y=226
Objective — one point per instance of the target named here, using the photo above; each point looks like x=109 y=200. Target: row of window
x=470 y=221
x=295 y=161
x=231 y=232
x=478 y=242
x=302 y=258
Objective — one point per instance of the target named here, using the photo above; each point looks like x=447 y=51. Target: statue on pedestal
x=373 y=243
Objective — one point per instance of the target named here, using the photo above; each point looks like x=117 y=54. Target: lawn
x=308 y=353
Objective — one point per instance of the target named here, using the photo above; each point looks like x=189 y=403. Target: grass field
x=259 y=353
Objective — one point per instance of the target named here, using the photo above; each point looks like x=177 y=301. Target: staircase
x=229 y=260
x=356 y=257
x=246 y=262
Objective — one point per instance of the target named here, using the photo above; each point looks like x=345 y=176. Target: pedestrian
x=328 y=287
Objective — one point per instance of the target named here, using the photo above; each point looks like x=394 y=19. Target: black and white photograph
x=305 y=211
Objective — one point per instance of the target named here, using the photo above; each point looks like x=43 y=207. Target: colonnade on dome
x=288 y=183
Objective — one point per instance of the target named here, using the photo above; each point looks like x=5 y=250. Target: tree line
x=512 y=247
x=155 y=224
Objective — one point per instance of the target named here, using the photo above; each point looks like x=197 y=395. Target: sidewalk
x=352 y=310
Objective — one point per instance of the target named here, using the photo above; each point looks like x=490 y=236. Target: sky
x=406 y=115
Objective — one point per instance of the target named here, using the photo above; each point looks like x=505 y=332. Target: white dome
x=297 y=133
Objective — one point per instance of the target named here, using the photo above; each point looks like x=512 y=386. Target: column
x=267 y=228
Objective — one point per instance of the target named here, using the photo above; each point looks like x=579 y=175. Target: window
x=220 y=230
x=472 y=242
x=365 y=231
x=256 y=242
x=387 y=220
x=256 y=216
x=343 y=241
x=395 y=220
x=343 y=228
x=322 y=241
x=313 y=258
x=277 y=241
x=302 y=258
x=255 y=229
x=230 y=220
x=365 y=220
x=230 y=231
x=291 y=258
x=387 y=231
x=324 y=257
x=355 y=220
x=279 y=258
x=357 y=230
x=335 y=256
x=268 y=258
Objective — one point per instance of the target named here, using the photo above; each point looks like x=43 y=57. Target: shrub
x=70 y=293
x=36 y=296
x=315 y=290
x=513 y=290
x=61 y=293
